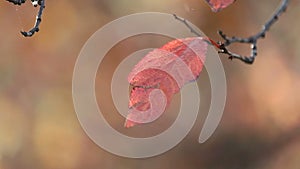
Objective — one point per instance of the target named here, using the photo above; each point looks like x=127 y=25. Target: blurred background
x=260 y=127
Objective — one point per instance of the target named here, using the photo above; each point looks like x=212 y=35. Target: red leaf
x=217 y=5
x=167 y=69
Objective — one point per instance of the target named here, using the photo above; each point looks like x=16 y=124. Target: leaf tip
x=129 y=123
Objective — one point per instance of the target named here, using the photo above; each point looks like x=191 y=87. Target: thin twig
x=252 y=40
x=17 y=2
x=38 y=20
x=187 y=25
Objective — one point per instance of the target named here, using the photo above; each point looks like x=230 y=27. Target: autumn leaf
x=217 y=5
x=160 y=75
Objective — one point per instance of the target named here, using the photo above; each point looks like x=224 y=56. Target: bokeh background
x=260 y=127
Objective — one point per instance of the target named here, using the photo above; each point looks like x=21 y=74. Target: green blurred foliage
x=38 y=125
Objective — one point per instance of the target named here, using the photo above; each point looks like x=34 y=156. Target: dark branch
x=38 y=20
x=17 y=2
x=252 y=40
